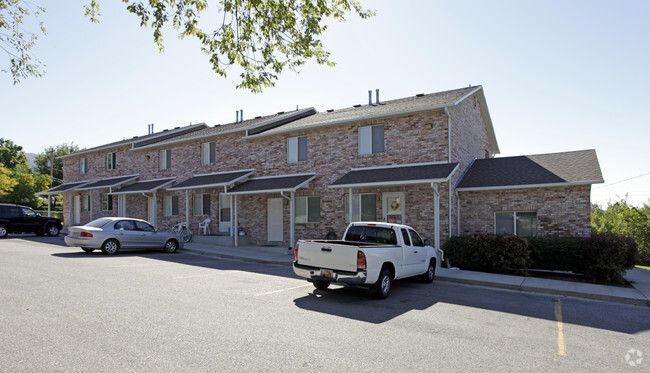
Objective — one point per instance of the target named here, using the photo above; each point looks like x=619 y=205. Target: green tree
x=6 y=182
x=620 y=218
x=261 y=37
x=44 y=160
x=12 y=156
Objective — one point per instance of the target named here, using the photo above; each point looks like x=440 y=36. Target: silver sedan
x=113 y=234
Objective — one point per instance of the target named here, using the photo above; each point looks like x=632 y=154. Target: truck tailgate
x=328 y=255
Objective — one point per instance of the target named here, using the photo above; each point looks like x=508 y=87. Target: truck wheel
x=381 y=289
x=110 y=247
x=3 y=231
x=52 y=230
x=321 y=285
x=427 y=277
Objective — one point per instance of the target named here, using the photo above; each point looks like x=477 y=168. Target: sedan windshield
x=98 y=223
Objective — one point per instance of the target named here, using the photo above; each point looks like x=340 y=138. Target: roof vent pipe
x=241 y=115
x=370 y=97
x=236 y=116
x=377 y=96
x=148 y=129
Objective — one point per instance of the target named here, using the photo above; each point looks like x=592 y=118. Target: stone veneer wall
x=562 y=211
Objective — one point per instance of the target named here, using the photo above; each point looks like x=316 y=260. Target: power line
x=622 y=181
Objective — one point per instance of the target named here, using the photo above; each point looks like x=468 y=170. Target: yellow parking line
x=561 y=344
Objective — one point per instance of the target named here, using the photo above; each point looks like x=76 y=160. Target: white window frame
x=165 y=159
x=198 y=206
x=110 y=161
x=83 y=166
x=360 y=202
x=294 y=145
x=169 y=202
x=107 y=202
x=367 y=134
x=514 y=220
x=85 y=202
x=302 y=203
x=208 y=153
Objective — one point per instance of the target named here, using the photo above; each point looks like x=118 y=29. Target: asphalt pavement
x=638 y=294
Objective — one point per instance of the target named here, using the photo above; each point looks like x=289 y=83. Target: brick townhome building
x=427 y=161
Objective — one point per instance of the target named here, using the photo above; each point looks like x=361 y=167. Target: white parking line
x=279 y=291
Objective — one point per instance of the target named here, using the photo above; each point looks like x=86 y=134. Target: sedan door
x=148 y=236
x=127 y=234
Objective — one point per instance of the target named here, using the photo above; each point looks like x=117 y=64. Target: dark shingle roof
x=212 y=180
x=109 y=182
x=145 y=186
x=272 y=184
x=396 y=175
x=67 y=187
x=578 y=167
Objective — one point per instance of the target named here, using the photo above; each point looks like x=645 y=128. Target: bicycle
x=182 y=230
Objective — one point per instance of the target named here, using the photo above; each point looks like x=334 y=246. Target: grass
x=644 y=267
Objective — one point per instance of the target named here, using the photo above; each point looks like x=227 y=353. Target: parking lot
x=66 y=310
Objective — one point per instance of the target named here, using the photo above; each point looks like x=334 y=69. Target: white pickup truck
x=370 y=255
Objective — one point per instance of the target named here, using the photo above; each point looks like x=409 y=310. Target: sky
x=557 y=75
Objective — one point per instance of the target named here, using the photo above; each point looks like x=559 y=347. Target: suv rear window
x=377 y=235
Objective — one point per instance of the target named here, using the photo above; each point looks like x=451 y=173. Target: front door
x=274 y=220
x=393 y=207
x=76 y=216
x=224 y=212
x=121 y=205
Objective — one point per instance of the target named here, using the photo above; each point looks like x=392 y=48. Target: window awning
x=112 y=182
x=408 y=174
x=215 y=180
x=273 y=184
x=63 y=188
x=147 y=186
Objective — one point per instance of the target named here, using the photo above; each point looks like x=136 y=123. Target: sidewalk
x=639 y=294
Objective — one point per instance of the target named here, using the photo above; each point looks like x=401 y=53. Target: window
x=307 y=209
x=125 y=225
x=417 y=241
x=170 y=205
x=110 y=161
x=107 y=202
x=85 y=202
x=201 y=204
x=372 y=235
x=517 y=223
x=83 y=165
x=224 y=208
x=371 y=139
x=142 y=226
x=208 y=152
x=364 y=207
x=165 y=159
x=297 y=149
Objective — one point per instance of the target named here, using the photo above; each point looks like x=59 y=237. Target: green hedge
x=602 y=258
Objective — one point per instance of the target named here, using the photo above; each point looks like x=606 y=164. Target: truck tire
x=52 y=230
x=382 y=288
x=321 y=285
x=428 y=276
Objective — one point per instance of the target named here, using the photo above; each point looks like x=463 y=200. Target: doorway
x=393 y=207
x=274 y=221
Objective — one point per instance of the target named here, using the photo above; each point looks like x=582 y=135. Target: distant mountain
x=31 y=159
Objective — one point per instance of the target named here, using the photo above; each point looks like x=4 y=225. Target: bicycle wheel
x=186 y=235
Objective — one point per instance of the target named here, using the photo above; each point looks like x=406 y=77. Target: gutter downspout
x=187 y=208
x=236 y=224
x=458 y=214
x=292 y=219
x=436 y=215
x=448 y=134
x=90 y=196
x=350 y=205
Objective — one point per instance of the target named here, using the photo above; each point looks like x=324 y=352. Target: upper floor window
x=165 y=159
x=371 y=139
x=307 y=209
x=519 y=223
x=297 y=149
x=110 y=161
x=83 y=165
x=208 y=152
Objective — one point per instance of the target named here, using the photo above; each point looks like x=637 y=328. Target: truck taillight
x=85 y=234
x=295 y=253
x=361 y=260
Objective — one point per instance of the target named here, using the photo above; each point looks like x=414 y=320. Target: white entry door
x=274 y=220
x=224 y=212
x=151 y=211
x=393 y=207
x=121 y=205
x=76 y=216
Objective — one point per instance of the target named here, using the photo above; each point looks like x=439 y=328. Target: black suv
x=21 y=219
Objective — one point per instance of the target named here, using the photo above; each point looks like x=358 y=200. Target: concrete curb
x=237 y=257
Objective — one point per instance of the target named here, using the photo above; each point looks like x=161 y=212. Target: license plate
x=74 y=234
x=326 y=273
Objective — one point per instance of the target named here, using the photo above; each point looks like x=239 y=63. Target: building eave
x=528 y=186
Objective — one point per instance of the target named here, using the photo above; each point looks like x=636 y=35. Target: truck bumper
x=324 y=274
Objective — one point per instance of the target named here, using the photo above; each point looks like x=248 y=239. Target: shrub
x=605 y=257
x=556 y=254
x=488 y=252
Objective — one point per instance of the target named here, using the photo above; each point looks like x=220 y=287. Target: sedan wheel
x=170 y=246
x=110 y=247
